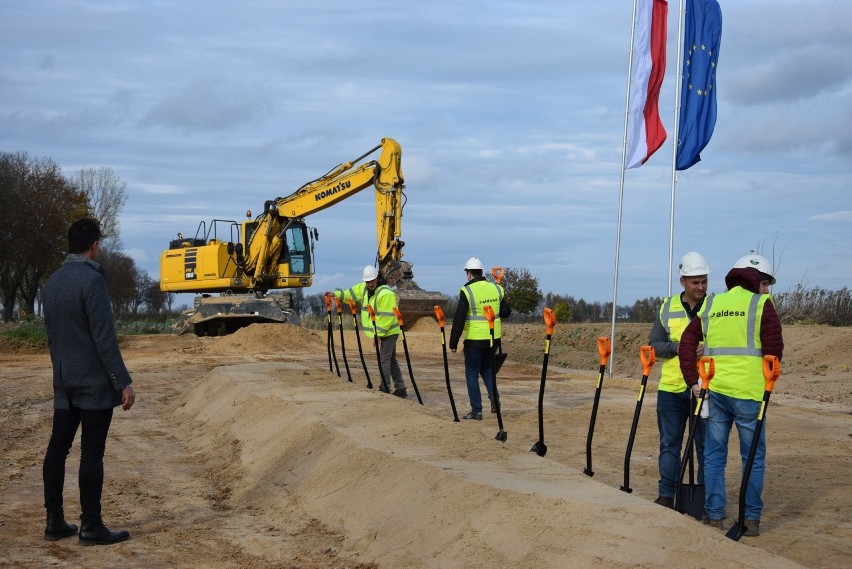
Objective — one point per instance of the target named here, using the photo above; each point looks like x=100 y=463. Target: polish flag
x=645 y=129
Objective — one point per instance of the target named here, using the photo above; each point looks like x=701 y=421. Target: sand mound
x=270 y=338
x=408 y=488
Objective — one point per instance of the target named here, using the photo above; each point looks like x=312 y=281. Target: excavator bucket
x=220 y=315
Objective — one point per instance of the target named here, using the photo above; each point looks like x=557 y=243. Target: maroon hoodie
x=770 y=326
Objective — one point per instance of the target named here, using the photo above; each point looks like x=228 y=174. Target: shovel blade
x=691 y=500
x=539 y=448
x=736 y=532
x=498 y=362
x=502 y=436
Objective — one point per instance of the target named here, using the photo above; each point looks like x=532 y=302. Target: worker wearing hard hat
x=674 y=397
x=738 y=328
x=473 y=297
x=370 y=291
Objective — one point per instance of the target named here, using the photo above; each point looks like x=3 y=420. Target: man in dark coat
x=89 y=380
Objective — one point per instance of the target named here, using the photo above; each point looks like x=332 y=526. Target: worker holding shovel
x=738 y=327
x=676 y=400
x=370 y=292
x=470 y=318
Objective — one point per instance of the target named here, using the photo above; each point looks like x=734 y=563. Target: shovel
x=604 y=350
x=491 y=317
x=354 y=310
x=549 y=321
x=439 y=315
x=497 y=273
x=647 y=357
x=693 y=495
x=382 y=383
x=342 y=342
x=771 y=371
x=330 y=342
x=405 y=347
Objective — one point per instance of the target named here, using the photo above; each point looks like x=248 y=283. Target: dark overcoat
x=88 y=370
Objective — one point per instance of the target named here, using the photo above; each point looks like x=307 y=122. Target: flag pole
x=676 y=139
x=621 y=186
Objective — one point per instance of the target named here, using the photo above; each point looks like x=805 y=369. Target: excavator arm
x=344 y=181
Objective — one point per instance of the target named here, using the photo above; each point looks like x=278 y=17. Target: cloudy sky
x=510 y=115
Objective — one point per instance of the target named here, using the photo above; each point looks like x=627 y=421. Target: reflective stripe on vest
x=731 y=327
x=479 y=294
x=674 y=318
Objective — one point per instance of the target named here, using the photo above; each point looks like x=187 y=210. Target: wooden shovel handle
x=647 y=357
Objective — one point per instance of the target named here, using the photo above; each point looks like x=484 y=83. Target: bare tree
x=107 y=194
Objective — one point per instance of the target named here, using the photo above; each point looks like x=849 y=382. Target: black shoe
x=57 y=528
x=384 y=389
x=665 y=501
x=473 y=416
x=400 y=393
x=99 y=534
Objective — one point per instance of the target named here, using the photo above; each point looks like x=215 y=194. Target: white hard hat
x=473 y=264
x=369 y=273
x=692 y=265
x=758 y=262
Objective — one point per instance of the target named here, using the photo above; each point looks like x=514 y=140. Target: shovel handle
x=328 y=303
x=339 y=304
x=372 y=314
x=647 y=357
x=497 y=273
x=549 y=320
x=771 y=371
x=706 y=369
x=398 y=315
x=489 y=315
x=604 y=349
x=352 y=306
x=439 y=314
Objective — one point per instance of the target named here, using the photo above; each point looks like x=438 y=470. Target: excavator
x=249 y=263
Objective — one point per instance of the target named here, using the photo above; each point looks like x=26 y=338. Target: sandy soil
x=245 y=451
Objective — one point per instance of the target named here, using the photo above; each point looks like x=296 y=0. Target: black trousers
x=95 y=425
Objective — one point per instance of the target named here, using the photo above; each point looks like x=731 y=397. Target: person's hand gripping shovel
x=439 y=316
x=604 y=350
x=647 y=357
x=398 y=315
x=383 y=386
x=771 y=371
x=690 y=497
x=342 y=341
x=354 y=311
x=330 y=342
x=549 y=321
x=491 y=317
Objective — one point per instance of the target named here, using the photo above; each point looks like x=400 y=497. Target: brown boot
x=665 y=501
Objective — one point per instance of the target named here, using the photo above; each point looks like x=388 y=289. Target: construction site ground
x=246 y=451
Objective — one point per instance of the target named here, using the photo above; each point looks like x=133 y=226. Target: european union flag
x=702 y=37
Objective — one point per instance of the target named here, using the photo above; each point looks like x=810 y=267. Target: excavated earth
x=246 y=451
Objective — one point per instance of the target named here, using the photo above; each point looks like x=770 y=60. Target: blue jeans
x=673 y=411
x=724 y=412
x=477 y=362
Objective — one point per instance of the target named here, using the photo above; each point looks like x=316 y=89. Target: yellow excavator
x=245 y=262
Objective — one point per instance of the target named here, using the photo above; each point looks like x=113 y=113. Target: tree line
x=39 y=205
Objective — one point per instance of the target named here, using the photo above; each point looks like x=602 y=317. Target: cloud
x=833 y=216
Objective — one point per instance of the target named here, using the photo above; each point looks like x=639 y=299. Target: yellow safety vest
x=674 y=319
x=731 y=326
x=383 y=302
x=480 y=294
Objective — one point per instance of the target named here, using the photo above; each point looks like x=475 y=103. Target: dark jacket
x=771 y=338
x=88 y=370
